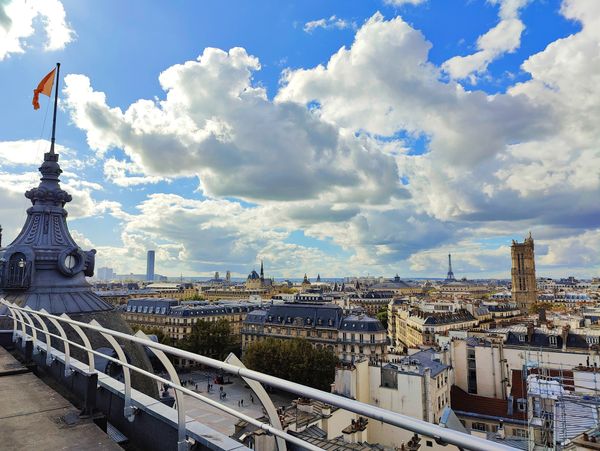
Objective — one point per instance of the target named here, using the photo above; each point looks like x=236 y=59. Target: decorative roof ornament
x=44 y=267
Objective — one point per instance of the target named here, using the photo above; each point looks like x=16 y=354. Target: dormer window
x=18 y=271
x=552 y=339
x=521 y=338
x=592 y=340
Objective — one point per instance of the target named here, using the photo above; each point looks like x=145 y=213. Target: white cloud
x=202 y=236
x=215 y=124
x=17 y=24
x=505 y=37
x=332 y=22
x=124 y=173
x=529 y=157
x=492 y=165
x=404 y=2
x=27 y=152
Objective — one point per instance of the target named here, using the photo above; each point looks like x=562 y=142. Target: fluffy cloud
x=207 y=235
x=529 y=156
x=124 y=173
x=216 y=124
x=503 y=38
x=17 y=24
x=332 y=22
x=18 y=173
x=404 y=2
x=326 y=156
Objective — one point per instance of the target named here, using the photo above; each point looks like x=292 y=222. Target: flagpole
x=55 y=105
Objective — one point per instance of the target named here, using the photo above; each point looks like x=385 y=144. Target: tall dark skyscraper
x=150 y=266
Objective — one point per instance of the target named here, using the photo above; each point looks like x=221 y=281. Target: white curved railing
x=22 y=316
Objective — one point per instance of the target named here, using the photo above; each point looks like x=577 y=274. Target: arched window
x=18 y=271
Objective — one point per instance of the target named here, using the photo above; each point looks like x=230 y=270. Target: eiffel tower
x=450 y=276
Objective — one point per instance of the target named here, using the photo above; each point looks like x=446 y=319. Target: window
x=519 y=433
x=592 y=340
x=478 y=426
x=521 y=338
x=429 y=443
x=372 y=338
x=552 y=340
x=521 y=404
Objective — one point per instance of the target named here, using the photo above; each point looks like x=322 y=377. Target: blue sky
x=331 y=137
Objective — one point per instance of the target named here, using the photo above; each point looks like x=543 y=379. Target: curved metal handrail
x=438 y=433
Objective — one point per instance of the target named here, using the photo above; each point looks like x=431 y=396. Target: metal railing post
x=47 y=336
x=34 y=349
x=23 y=328
x=61 y=331
x=86 y=343
x=14 y=318
x=182 y=443
x=128 y=410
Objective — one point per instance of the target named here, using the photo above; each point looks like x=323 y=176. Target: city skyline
x=254 y=151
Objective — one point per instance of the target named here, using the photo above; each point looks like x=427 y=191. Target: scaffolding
x=563 y=401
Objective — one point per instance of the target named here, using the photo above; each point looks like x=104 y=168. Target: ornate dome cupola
x=44 y=267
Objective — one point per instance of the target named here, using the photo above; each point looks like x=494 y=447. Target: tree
x=160 y=335
x=195 y=297
x=211 y=339
x=383 y=317
x=295 y=360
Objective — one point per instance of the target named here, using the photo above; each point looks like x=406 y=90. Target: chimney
x=500 y=432
x=564 y=335
x=541 y=316
x=530 y=330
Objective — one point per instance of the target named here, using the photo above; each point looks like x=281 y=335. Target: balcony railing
x=24 y=327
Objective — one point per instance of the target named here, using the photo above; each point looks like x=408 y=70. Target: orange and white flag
x=45 y=87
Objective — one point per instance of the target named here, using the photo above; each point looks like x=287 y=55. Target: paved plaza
x=236 y=391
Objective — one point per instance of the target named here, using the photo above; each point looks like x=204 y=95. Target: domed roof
x=253 y=276
x=44 y=267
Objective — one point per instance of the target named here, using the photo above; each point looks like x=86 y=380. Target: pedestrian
x=242 y=402
x=252 y=399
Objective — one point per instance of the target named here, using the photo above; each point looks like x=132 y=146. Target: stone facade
x=524 y=287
